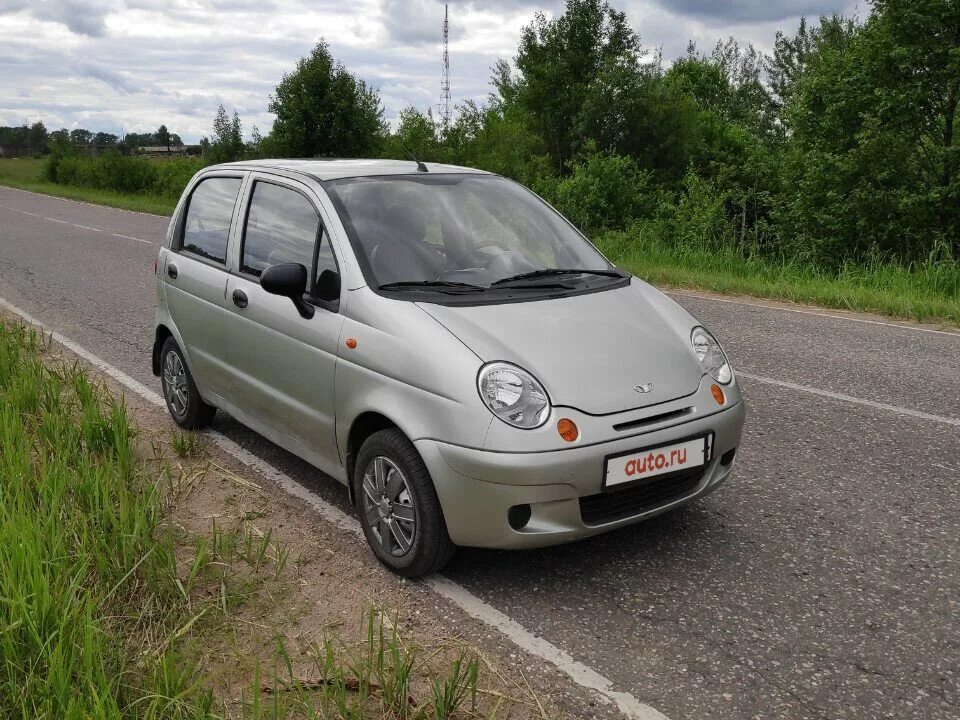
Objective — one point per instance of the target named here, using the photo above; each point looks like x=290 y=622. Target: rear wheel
x=398 y=506
x=186 y=407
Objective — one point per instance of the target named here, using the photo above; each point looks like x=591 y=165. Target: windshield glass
x=460 y=232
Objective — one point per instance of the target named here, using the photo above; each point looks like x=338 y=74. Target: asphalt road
x=823 y=581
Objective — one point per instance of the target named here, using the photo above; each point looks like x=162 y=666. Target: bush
x=694 y=217
x=122 y=174
x=603 y=192
x=173 y=176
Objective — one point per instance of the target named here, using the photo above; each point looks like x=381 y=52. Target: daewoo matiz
x=444 y=343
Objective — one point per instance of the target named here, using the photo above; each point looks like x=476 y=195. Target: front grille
x=616 y=505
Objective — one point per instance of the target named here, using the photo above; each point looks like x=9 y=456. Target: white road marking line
x=800 y=311
x=584 y=676
x=139 y=240
x=81 y=202
x=77 y=225
x=851 y=399
x=581 y=674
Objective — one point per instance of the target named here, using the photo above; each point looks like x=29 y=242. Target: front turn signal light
x=718 y=394
x=568 y=430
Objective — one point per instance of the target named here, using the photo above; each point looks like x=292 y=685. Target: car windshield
x=462 y=234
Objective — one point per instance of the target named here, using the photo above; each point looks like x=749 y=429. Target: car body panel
x=477 y=488
x=405 y=360
x=588 y=351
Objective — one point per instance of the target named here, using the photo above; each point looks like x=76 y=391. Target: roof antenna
x=420 y=166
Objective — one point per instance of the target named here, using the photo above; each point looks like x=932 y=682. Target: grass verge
x=24 y=173
x=930 y=291
x=113 y=608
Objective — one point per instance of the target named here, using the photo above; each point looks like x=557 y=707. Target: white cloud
x=133 y=64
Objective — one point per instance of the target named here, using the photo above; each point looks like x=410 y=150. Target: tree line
x=40 y=140
x=837 y=147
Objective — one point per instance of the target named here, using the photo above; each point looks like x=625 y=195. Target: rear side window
x=207 y=226
x=281 y=228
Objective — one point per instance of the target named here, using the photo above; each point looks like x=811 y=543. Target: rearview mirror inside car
x=288 y=280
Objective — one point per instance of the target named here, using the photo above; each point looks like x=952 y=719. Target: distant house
x=16 y=151
x=172 y=151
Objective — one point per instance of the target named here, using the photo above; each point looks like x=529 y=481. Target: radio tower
x=445 y=75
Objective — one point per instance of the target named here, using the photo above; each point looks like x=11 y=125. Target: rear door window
x=282 y=227
x=206 y=229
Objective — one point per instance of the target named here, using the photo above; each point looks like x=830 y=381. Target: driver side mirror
x=288 y=280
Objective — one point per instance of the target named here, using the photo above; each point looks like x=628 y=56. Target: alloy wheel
x=388 y=506
x=175 y=383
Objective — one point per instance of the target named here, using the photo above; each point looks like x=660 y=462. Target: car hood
x=591 y=350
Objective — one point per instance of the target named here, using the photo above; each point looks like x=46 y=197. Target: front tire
x=398 y=506
x=186 y=407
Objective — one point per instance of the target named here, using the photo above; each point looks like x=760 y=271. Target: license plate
x=638 y=465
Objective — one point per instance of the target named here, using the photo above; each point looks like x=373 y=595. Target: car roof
x=337 y=169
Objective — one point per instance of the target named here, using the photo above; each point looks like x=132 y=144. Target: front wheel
x=398 y=506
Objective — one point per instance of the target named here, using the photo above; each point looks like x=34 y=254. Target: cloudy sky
x=131 y=65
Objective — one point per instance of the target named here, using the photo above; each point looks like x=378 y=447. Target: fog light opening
x=718 y=394
x=568 y=429
x=727 y=458
x=518 y=516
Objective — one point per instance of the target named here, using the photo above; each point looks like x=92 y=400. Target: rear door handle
x=172 y=271
x=240 y=299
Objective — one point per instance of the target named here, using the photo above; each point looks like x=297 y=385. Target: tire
x=391 y=485
x=186 y=407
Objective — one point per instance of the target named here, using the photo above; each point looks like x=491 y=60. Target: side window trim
x=177 y=244
x=254 y=181
x=248 y=192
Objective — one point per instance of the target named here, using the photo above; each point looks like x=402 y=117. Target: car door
x=195 y=277
x=284 y=362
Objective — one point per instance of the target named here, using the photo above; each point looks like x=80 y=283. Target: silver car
x=443 y=343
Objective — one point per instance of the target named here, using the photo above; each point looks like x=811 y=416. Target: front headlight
x=711 y=355
x=513 y=395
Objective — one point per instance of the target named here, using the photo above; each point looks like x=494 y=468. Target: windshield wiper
x=558 y=271
x=440 y=285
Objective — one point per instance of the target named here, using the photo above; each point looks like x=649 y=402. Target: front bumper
x=477 y=488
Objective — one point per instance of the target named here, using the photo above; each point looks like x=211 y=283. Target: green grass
x=929 y=291
x=101 y=600
x=24 y=173
x=78 y=560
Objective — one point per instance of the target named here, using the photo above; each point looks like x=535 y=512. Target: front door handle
x=240 y=299
x=172 y=271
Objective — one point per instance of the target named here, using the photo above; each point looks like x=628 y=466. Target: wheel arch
x=160 y=337
x=363 y=426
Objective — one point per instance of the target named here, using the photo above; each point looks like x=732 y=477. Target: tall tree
x=38 y=134
x=163 y=136
x=872 y=158
x=920 y=86
x=79 y=136
x=558 y=59
x=227 y=143
x=416 y=133
x=105 y=138
x=324 y=111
